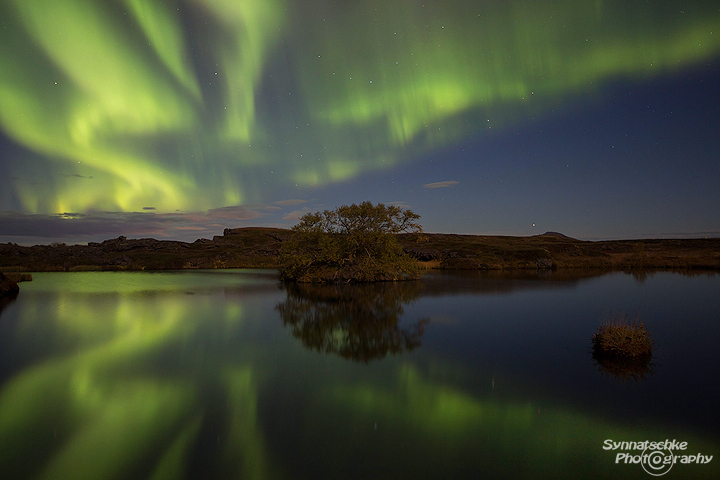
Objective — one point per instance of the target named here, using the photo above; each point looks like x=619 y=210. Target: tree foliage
x=351 y=243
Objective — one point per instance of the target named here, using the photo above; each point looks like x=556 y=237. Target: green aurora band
x=188 y=105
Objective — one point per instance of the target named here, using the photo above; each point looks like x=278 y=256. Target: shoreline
x=256 y=247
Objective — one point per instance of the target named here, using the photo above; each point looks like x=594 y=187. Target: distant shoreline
x=258 y=247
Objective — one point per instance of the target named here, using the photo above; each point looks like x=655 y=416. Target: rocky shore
x=8 y=287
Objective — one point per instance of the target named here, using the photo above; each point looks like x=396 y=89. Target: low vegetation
x=623 y=349
x=259 y=247
x=621 y=338
x=355 y=243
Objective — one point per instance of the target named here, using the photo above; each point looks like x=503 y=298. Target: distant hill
x=555 y=234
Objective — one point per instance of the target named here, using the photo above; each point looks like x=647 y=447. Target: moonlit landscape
x=372 y=239
x=176 y=119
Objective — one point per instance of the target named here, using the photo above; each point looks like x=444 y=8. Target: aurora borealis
x=175 y=119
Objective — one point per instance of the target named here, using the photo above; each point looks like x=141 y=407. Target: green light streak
x=430 y=64
x=111 y=69
x=492 y=432
x=245 y=451
x=92 y=397
x=173 y=464
x=113 y=383
x=180 y=104
x=161 y=24
x=253 y=28
x=97 y=88
x=132 y=420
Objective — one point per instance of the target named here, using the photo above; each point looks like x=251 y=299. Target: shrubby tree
x=354 y=243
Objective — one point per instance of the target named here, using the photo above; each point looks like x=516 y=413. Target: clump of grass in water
x=620 y=338
x=623 y=349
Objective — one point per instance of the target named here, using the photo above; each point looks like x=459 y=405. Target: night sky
x=175 y=119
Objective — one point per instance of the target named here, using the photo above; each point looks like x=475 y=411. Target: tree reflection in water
x=358 y=322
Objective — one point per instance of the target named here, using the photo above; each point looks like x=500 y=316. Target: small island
x=623 y=348
x=355 y=243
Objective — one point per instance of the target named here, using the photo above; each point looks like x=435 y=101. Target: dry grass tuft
x=623 y=349
x=429 y=265
x=623 y=339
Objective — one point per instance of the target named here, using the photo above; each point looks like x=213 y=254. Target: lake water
x=227 y=374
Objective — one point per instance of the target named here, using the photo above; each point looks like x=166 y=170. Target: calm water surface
x=227 y=374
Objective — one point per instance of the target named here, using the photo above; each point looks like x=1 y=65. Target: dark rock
x=7 y=286
x=544 y=263
x=122 y=260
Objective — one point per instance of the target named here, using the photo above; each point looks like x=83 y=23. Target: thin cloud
x=79 y=225
x=97 y=226
x=294 y=215
x=445 y=184
x=77 y=175
x=231 y=213
x=259 y=206
x=290 y=202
